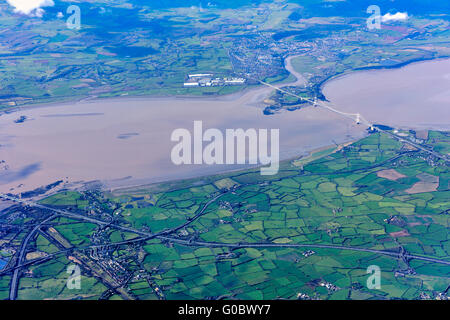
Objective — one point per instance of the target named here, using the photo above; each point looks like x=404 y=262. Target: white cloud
x=399 y=16
x=31 y=8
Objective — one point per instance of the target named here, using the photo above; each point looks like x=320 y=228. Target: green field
x=309 y=232
x=237 y=229
x=141 y=49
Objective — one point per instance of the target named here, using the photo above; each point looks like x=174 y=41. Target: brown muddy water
x=126 y=141
x=415 y=97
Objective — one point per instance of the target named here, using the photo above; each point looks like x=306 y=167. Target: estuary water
x=126 y=141
x=416 y=96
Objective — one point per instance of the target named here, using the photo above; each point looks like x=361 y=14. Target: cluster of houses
x=208 y=80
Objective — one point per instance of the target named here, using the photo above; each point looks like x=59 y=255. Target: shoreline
x=220 y=175
x=309 y=153
x=242 y=97
x=235 y=96
x=375 y=68
x=248 y=168
x=227 y=97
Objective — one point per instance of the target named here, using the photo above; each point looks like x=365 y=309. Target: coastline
x=246 y=97
x=401 y=65
x=247 y=90
x=220 y=175
x=310 y=152
x=227 y=97
x=413 y=96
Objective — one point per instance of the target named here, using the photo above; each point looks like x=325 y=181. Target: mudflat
x=125 y=142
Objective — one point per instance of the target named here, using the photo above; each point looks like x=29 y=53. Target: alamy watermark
x=74 y=20
x=74 y=279
x=235 y=146
x=374 y=280
x=375 y=19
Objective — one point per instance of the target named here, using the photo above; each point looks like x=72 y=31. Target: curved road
x=23 y=247
x=162 y=235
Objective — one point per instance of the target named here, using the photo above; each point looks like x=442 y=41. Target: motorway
x=295 y=245
x=162 y=235
x=22 y=251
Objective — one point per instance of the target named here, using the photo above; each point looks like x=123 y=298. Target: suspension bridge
x=357 y=117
